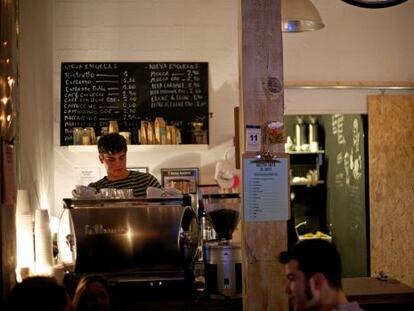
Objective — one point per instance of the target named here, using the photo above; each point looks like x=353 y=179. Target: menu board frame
x=192 y=174
x=94 y=93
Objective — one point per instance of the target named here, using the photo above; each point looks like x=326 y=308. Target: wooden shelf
x=306 y=183
x=144 y=148
x=373 y=85
x=306 y=152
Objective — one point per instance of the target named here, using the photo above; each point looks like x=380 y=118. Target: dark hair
x=112 y=143
x=80 y=297
x=316 y=256
x=38 y=293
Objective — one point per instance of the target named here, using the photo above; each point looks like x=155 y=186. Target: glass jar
x=77 y=133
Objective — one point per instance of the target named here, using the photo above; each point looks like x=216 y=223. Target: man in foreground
x=313 y=272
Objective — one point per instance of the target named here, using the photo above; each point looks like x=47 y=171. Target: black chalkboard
x=338 y=206
x=92 y=94
x=347 y=189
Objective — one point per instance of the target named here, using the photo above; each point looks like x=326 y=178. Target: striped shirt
x=135 y=180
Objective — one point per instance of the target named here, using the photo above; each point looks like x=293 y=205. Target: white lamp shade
x=299 y=16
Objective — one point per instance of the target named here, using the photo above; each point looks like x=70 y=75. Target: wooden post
x=8 y=74
x=262 y=101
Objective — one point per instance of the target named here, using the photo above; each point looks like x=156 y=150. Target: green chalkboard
x=347 y=195
x=92 y=94
x=339 y=205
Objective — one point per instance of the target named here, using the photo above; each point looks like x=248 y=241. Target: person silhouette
x=38 y=293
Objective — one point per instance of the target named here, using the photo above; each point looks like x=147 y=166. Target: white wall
x=35 y=115
x=357 y=44
x=174 y=30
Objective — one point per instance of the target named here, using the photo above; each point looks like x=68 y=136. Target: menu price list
x=266 y=190
x=92 y=94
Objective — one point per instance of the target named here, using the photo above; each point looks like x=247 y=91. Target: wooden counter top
x=370 y=291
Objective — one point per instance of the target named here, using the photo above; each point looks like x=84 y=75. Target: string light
x=5 y=100
x=10 y=81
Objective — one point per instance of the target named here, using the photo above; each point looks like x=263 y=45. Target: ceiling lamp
x=299 y=16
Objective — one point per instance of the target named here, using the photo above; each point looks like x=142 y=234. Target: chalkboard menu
x=347 y=182
x=339 y=205
x=92 y=94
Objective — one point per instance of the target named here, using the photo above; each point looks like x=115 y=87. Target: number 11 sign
x=253 y=138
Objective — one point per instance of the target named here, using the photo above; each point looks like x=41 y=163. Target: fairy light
x=10 y=81
x=5 y=100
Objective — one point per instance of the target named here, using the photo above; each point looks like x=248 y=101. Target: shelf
x=306 y=152
x=144 y=148
x=306 y=183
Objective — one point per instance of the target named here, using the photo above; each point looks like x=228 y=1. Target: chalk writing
x=94 y=93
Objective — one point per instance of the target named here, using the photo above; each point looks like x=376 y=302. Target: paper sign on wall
x=253 y=138
x=86 y=175
x=266 y=189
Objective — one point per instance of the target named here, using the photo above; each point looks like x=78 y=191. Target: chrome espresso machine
x=150 y=241
x=222 y=256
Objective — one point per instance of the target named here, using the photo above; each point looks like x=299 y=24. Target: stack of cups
x=43 y=243
x=24 y=236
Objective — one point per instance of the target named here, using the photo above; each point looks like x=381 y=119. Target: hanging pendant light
x=300 y=16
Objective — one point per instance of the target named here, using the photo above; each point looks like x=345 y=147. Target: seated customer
x=112 y=150
x=92 y=295
x=38 y=293
x=313 y=271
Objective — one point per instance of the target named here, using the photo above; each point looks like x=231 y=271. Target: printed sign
x=183 y=179
x=253 y=138
x=266 y=189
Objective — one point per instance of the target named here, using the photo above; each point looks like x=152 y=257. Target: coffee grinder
x=222 y=257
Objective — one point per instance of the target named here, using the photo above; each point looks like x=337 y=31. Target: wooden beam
x=261 y=84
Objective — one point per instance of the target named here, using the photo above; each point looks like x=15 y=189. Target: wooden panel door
x=391 y=183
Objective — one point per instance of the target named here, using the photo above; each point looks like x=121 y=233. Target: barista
x=112 y=150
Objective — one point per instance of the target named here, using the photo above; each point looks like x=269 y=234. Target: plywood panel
x=391 y=167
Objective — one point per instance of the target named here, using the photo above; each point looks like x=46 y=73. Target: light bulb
x=10 y=81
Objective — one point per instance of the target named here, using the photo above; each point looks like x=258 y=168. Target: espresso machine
x=222 y=256
x=149 y=242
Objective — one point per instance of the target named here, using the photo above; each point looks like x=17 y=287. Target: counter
x=374 y=294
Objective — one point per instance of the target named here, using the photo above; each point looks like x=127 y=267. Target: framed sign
x=93 y=94
x=184 y=179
